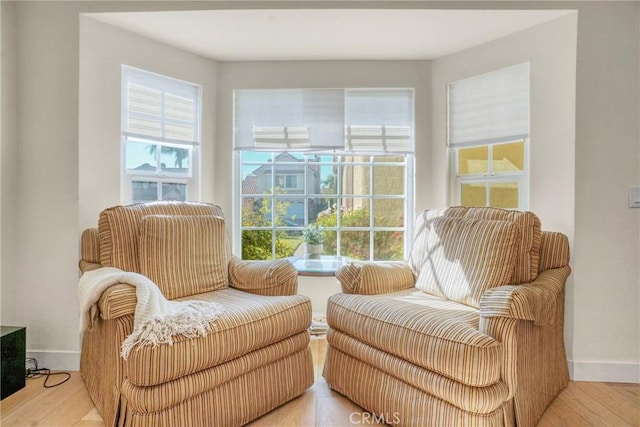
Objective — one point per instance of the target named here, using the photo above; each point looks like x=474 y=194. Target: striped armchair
x=468 y=331
x=256 y=355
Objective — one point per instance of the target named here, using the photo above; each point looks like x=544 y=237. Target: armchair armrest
x=535 y=301
x=371 y=278
x=118 y=300
x=263 y=277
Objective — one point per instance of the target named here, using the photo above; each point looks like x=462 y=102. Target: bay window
x=338 y=158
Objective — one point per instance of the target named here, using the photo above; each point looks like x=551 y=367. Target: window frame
x=175 y=87
x=489 y=109
x=407 y=196
x=520 y=177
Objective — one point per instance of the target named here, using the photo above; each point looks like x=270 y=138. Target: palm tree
x=179 y=153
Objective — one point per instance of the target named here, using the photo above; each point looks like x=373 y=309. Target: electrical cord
x=35 y=372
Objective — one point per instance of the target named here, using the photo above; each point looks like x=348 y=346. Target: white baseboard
x=56 y=360
x=615 y=372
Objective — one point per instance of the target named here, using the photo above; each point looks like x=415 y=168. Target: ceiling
x=326 y=34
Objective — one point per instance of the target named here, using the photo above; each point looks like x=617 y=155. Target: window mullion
x=371 y=216
x=338 y=206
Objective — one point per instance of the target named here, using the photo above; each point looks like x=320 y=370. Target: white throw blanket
x=156 y=319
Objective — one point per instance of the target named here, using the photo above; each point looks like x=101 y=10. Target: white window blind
x=365 y=121
x=288 y=119
x=492 y=107
x=159 y=108
x=379 y=120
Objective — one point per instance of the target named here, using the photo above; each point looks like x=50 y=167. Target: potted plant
x=313 y=237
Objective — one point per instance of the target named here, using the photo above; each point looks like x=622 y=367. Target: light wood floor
x=580 y=404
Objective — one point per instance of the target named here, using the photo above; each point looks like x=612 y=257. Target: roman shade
x=379 y=120
x=288 y=119
x=159 y=109
x=489 y=108
x=361 y=121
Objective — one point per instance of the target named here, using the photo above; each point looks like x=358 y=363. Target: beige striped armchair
x=468 y=331
x=256 y=355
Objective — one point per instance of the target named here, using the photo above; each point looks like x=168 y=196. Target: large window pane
x=256 y=212
x=508 y=157
x=256 y=244
x=326 y=176
x=388 y=180
x=289 y=212
x=250 y=183
x=388 y=245
x=355 y=179
x=355 y=244
x=288 y=243
x=388 y=212
x=141 y=157
x=261 y=175
x=174 y=191
x=473 y=194
x=355 y=213
x=330 y=247
x=144 y=191
x=323 y=211
x=473 y=160
x=504 y=195
x=256 y=156
x=175 y=160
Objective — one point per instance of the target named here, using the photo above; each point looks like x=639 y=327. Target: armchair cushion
x=462 y=258
x=431 y=332
x=183 y=255
x=249 y=322
x=367 y=278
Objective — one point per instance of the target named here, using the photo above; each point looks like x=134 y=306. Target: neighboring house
x=147 y=190
x=289 y=180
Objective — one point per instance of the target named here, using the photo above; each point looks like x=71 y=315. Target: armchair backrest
x=554 y=251
x=119 y=229
x=181 y=246
x=527 y=252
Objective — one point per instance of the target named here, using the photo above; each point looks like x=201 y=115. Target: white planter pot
x=312 y=251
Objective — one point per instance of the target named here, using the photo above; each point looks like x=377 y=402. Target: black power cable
x=35 y=372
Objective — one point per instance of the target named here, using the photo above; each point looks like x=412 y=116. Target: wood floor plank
x=91 y=419
x=592 y=408
x=579 y=404
x=561 y=412
x=76 y=406
x=622 y=405
x=40 y=407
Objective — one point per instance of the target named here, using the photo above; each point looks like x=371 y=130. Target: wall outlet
x=634 y=197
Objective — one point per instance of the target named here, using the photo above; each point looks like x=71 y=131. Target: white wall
x=551 y=50
x=103 y=49
x=9 y=150
x=584 y=155
x=606 y=333
x=38 y=288
x=316 y=74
